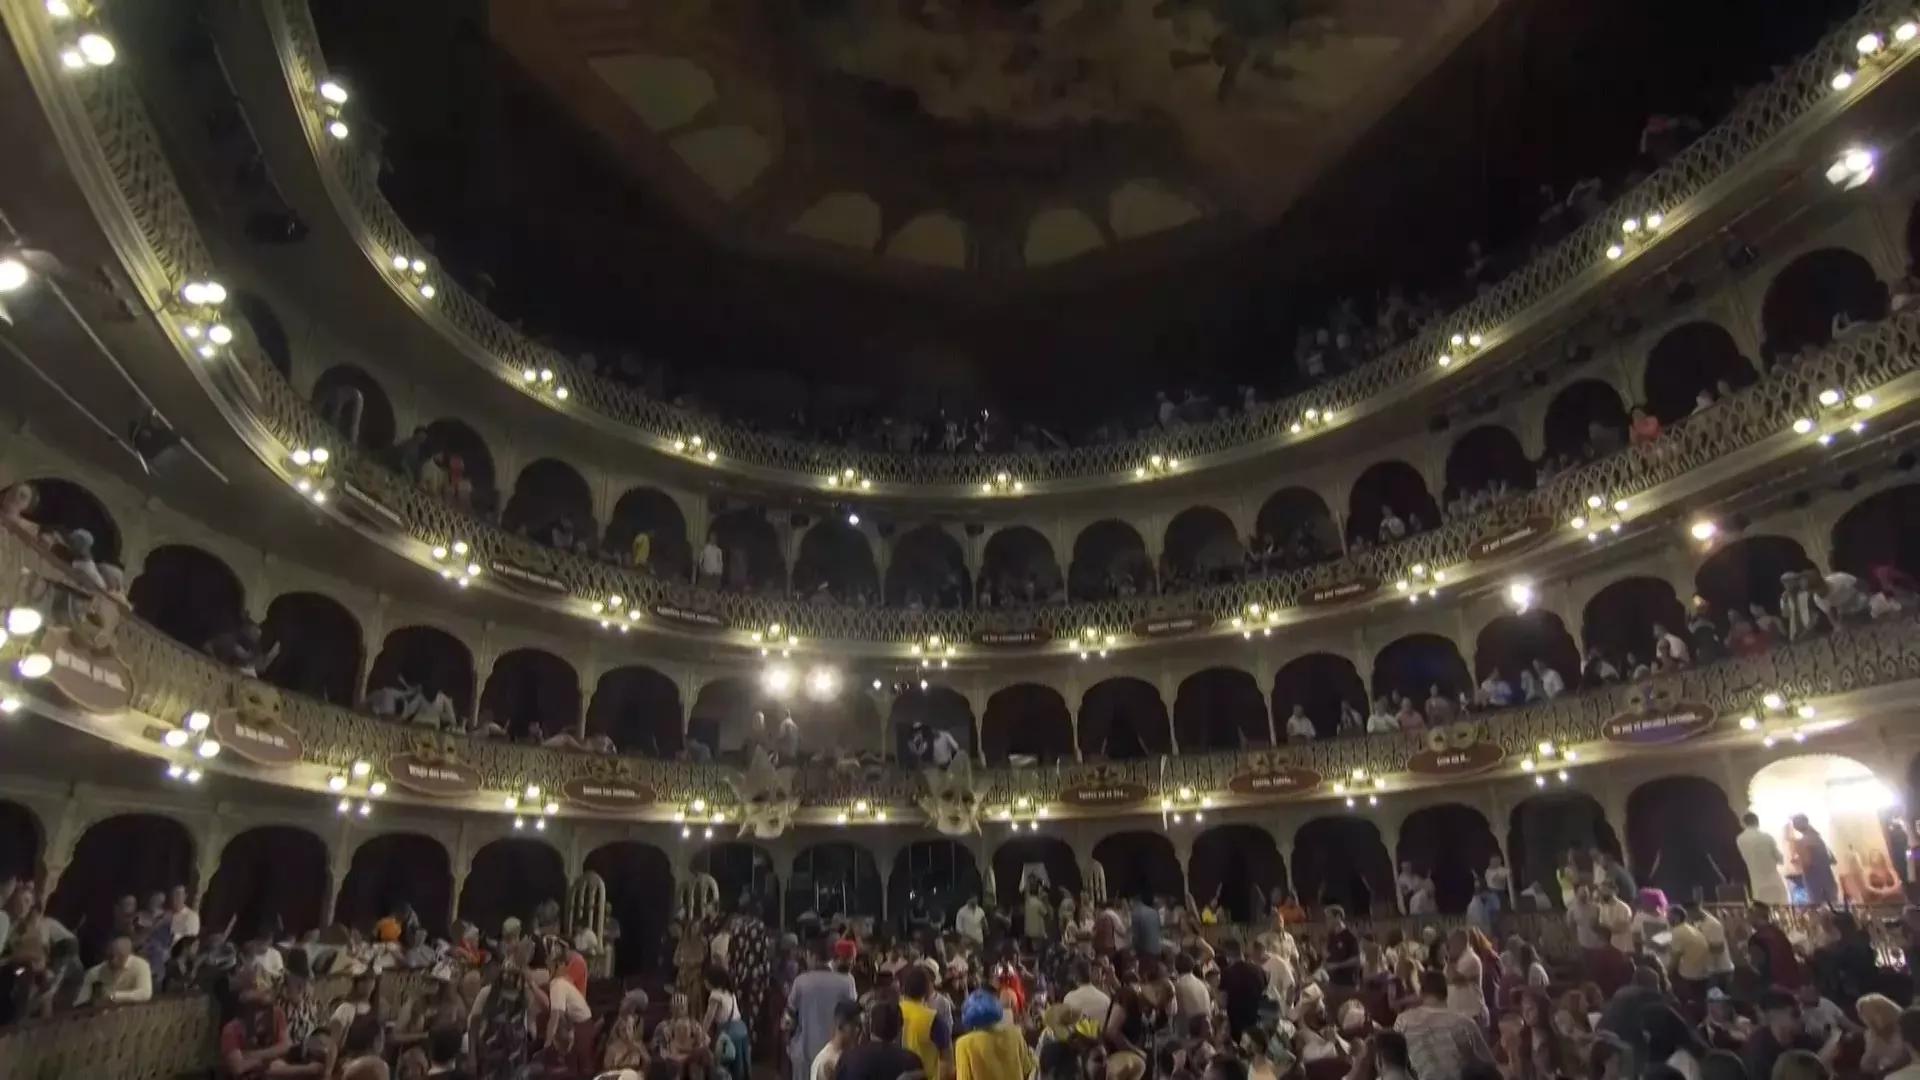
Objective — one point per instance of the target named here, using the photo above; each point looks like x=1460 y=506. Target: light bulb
x=34 y=666
x=13 y=275
x=175 y=738
x=209 y=748
x=334 y=92
x=22 y=621
x=96 y=49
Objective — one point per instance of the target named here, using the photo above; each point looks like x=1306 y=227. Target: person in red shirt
x=254 y=1044
x=1771 y=951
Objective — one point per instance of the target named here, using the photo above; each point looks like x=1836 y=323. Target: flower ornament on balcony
x=1836 y=413
x=193 y=740
x=776 y=636
x=615 y=613
x=1024 y=812
x=20 y=646
x=1636 y=232
x=1259 y=618
x=1783 y=720
x=199 y=311
x=356 y=782
x=862 y=810
x=1094 y=642
x=1359 y=784
x=695 y=447
x=698 y=815
x=542 y=382
x=456 y=561
x=1157 y=465
x=1549 y=759
x=1875 y=49
x=1003 y=483
x=330 y=100
x=1420 y=581
x=1184 y=806
x=1459 y=347
x=83 y=45
x=417 y=274
x=936 y=651
x=1310 y=419
x=309 y=468
x=1603 y=517
x=531 y=806
x=849 y=479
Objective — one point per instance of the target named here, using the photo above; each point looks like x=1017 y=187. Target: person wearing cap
x=1724 y=1027
x=1782 y=1030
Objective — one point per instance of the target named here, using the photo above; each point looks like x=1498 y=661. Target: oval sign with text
x=1271 y=782
x=436 y=779
x=1670 y=725
x=598 y=794
x=266 y=742
x=94 y=682
x=1510 y=541
x=1166 y=626
x=1104 y=794
x=1457 y=761
x=1340 y=592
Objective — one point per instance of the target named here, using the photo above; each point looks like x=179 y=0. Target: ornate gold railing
x=1762 y=116
x=162 y=1039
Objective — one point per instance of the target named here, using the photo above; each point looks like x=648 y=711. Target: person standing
x=881 y=1057
x=814 y=1005
x=1465 y=994
x=1761 y=852
x=970 y=922
x=925 y=1030
x=1441 y=1043
x=846 y=1035
x=1816 y=863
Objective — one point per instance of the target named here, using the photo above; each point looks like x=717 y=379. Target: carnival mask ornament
x=767 y=802
x=951 y=803
x=1648 y=697
x=256 y=702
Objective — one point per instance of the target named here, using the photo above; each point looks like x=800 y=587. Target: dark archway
x=1542 y=829
x=464 y=455
x=268 y=331
x=1025 y=858
x=546 y=495
x=1220 y=709
x=837 y=555
x=1237 y=865
x=1620 y=618
x=750 y=549
x=1413 y=665
x=1342 y=860
x=1808 y=292
x=352 y=402
x=639 y=881
x=722 y=715
x=1123 y=718
x=1318 y=683
x=1386 y=485
x=639 y=709
x=931 y=879
x=510 y=877
x=321 y=649
x=63 y=506
x=1747 y=571
x=133 y=855
x=1877 y=531
x=1450 y=843
x=1140 y=864
x=23 y=843
x=272 y=879
x=1585 y=419
x=940 y=708
x=749 y=883
x=1201 y=546
x=1109 y=558
x=849 y=722
x=1300 y=525
x=1689 y=359
x=188 y=595
x=1485 y=458
x=427 y=657
x=1511 y=643
x=396 y=870
x=1015 y=557
x=1680 y=837
x=927 y=562
x=834 y=878
x=1027 y=720
x=530 y=688
x=653 y=512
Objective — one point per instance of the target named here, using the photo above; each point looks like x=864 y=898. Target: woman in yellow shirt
x=992 y=1048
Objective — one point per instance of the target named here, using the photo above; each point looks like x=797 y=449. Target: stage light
x=96 y=50
x=777 y=680
x=334 y=92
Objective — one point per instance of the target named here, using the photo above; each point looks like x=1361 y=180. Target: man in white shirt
x=944 y=749
x=971 y=921
x=1552 y=684
x=1087 y=1001
x=712 y=562
x=186 y=921
x=264 y=958
x=1616 y=918
x=848 y=1020
x=786 y=740
x=1840 y=598
x=1191 y=997
x=1300 y=725
x=1761 y=852
x=122 y=979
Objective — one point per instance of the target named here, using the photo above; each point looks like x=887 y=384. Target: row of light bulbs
x=542 y=380
x=17 y=634
x=697 y=812
x=1836 y=400
x=204 y=298
x=529 y=805
x=87 y=47
x=1875 y=49
x=456 y=562
x=695 y=446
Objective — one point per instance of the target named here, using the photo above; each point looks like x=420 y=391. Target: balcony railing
x=161 y=1039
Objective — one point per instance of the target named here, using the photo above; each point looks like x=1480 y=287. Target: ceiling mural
x=998 y=132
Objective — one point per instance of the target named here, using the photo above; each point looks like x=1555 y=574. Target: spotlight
x=13 y=275
x=96 y=50
x=823 y=683
x=777 y=680
x=1802 y=426
x=377 y=788
x=334 y=92
x=209 y=749
x=1841 y=80
x=1704 y=530
x=177 y=739
x=22 y=621
x=1520 y=594
x=853 y=519
x=1869 y=44
x=339 y=129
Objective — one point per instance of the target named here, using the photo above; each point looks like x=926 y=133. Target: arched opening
x=133 y=855
x=64 y=506
x=940 y=708
x=832 y=879
x=931 y=880
x=1485 y=465
x=927 y=563
x=1018 y=567
x=749 y=550
x=320 y=647
x=1220 y=709
x=462 y=465
x=1122 y=719
x=551 y=504
x=1318 y=684
x=268 y=331
x=1535 y=641
x=1025 y=861
x=1680 y=837
x=1805 y=297
x=1109 y=560
x=1449 y=843
x=1201 y=547
x=651 y=513
x=1874 y=532
x=1847 y=806
x=745 y=874
x=272 y=878
x=1028 y=721
x=188 y=595
x=1342 y=860
x=639 y=881
x=1620 y=620
x=1237 y=866
x=353 y=404
x=1584 y=421
x=639 y=709
x=1415 y=665
x=532 y=690
x=395 y=871
x=22 y=843
x=842 y=725
x=429 y=658
x=510 y=877
x=1141 y=865
x=836 y=557
x=1300 y=528
x=722 y=716
x=1544 y=830
x=1688 y=361
x=1747 y=571
x=1386 y=492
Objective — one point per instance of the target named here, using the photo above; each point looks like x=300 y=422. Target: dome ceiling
x=986 y=135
